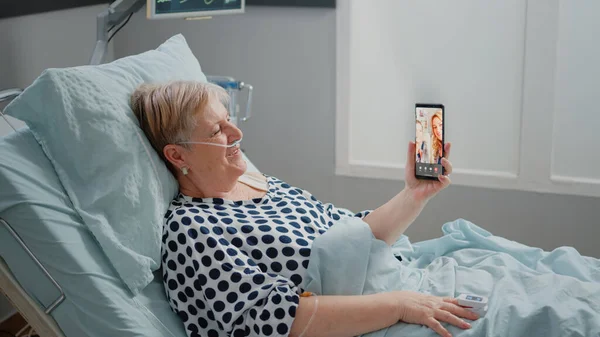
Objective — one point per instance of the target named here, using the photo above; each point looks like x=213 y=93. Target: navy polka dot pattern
x=236 y=267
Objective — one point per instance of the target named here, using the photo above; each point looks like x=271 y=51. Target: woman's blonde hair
x=436 y=144
x=167 y=112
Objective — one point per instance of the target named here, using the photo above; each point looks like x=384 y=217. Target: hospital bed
x=58 y=276
x=42 y=244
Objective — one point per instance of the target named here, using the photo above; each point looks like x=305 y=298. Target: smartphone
x=429 y=140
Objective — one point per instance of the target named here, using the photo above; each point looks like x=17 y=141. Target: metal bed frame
x=39 y=318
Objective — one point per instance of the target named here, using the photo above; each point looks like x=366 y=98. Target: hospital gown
x=235 y=268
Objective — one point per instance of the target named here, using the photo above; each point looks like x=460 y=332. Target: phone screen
x=429 y=140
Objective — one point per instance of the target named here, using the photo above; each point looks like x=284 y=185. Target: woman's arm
x=345 y=315
x=390 y=220
x=355 y=315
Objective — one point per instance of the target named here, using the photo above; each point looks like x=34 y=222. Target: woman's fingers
x=445 y=180
x=460 y=311
x=445 y=316
x=410 y=160
x=447 y=166
x=447 y=148
x=455 y=308
x=436 y=326
x=450 y=300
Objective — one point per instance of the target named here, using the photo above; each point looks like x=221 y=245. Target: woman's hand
x=418 y=308
x=420 y=189
x=390 y=220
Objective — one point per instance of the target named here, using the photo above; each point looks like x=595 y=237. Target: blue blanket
x=531 y=292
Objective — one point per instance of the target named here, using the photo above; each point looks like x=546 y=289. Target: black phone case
x=433 y=105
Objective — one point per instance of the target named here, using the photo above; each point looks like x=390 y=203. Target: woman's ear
x=174 y=154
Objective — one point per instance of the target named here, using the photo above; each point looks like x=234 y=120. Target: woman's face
x=437 y=126
x=211 y=161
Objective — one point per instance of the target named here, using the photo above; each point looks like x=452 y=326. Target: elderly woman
x=236 y=246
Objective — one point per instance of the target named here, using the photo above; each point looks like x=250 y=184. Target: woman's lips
x=234 y=152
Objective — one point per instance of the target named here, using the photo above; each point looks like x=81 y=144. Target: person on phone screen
x=421 y=145
x=437 y=137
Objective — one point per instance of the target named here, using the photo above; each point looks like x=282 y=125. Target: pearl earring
x=184 y=170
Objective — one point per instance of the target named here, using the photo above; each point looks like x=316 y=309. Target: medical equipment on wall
x=233 y=87
x=192 y=9
x=119 y=13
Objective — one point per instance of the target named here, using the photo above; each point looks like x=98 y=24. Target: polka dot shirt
x=235 y=268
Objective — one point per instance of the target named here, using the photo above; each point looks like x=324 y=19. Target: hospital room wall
x=288 y=54
x=29 y=44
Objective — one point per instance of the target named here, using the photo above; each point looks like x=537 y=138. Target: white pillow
x=118 y=184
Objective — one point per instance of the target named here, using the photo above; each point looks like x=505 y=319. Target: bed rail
x=39 y=320
x=8 y=95
x=16 y=236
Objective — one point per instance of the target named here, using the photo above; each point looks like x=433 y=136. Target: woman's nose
x=235 y=133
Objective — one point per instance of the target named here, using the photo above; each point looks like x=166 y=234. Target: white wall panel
x=467 y=55
x=575 y=151
x=518 y=79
